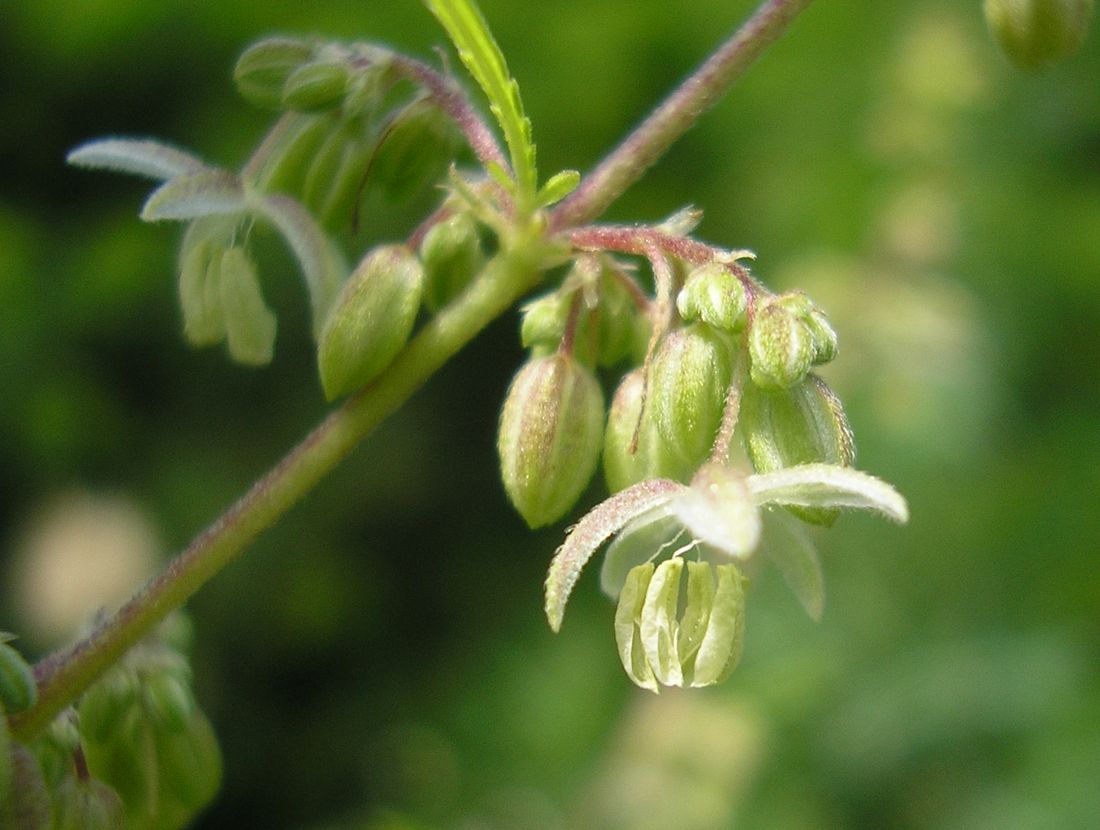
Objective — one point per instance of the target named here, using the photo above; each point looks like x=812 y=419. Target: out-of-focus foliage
x=380 y=659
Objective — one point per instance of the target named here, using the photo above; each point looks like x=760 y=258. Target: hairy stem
x=61 y=677
x=700 y=91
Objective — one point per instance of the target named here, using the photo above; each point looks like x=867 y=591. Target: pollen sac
x=632 y=448
x=712 y=293
x=674 y=634
x=551 y=429
x=371 y=319
x=805 y=424
x=262 y=70
x=781 y=346
x=17 y=688
x=316 y=86
x=688 y=381
x=1037 y=32
x=452 y=255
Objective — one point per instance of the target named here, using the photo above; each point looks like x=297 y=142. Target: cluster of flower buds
x=552 y=423
x=136 y=752
x=348 y=118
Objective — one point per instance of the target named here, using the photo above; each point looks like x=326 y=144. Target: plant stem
x=700 y=91
x=61 y=677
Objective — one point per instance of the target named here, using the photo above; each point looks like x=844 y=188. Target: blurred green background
x=380 y=659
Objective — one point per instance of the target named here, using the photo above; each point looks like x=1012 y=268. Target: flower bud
x=452 y=255
x=371 y=319
x=677 y=635
x=549 y=440
x=263 y=68
x=87 y=804
x=650 y=459
x=315 y=86
x=823 y=335
x=714 y=294
x=415 y=151
x=543 y=323
x=169 y=701
x=781 y=346
x=1037 y=32
x=688 y=381
x=107 y=703
x=17 y=687
x=805 y=424
x=286 y=168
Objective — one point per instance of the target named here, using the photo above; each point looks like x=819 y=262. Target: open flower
x=723 y=515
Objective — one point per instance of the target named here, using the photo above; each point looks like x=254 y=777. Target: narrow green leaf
x=207 y=193
x=142 y=157
x=557 y=187
x=597 y=526
x=482 y=57
x=826 y=485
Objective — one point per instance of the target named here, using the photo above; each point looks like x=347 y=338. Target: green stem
x=62 y=676
x=698 y=93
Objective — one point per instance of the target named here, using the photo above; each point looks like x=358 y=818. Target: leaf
x=482 y=57
x=597 y=526
x=557 y=187
x=206 y=193
x=321 y=263
x=826 y=485
x=142 y=157
x=789 y=547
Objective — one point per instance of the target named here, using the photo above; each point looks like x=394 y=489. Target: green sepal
x=286 y=168
x=415 y=151
x=628 y=615
x=195 y=195
x=262 y=69
x=138 y=156
x=790 y=549
x=107 y=703
x=371 y=320
x=647 y=538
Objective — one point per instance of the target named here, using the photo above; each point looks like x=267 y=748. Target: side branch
x=700 y=91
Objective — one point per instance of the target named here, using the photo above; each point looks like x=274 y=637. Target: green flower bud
x=286 y=168
x=781 y=347
x=107 y=703
x=87 y=804
x=650 y=459
x=622 y=330
x=688 y=382
x=551 y=427
x=263 y=68
x=542 y=325
x=415 y=151
x=315 y=86
x=189 y=766
x=1037 y=32
x=371 y=319
x=714 y=294
x=339 y=206
x=169 y=701
x=452 y=255
x=323 y=168
x=17 y=687
x=676 y=635
x=823 y=335
x=249 y=323
x=805 y=424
